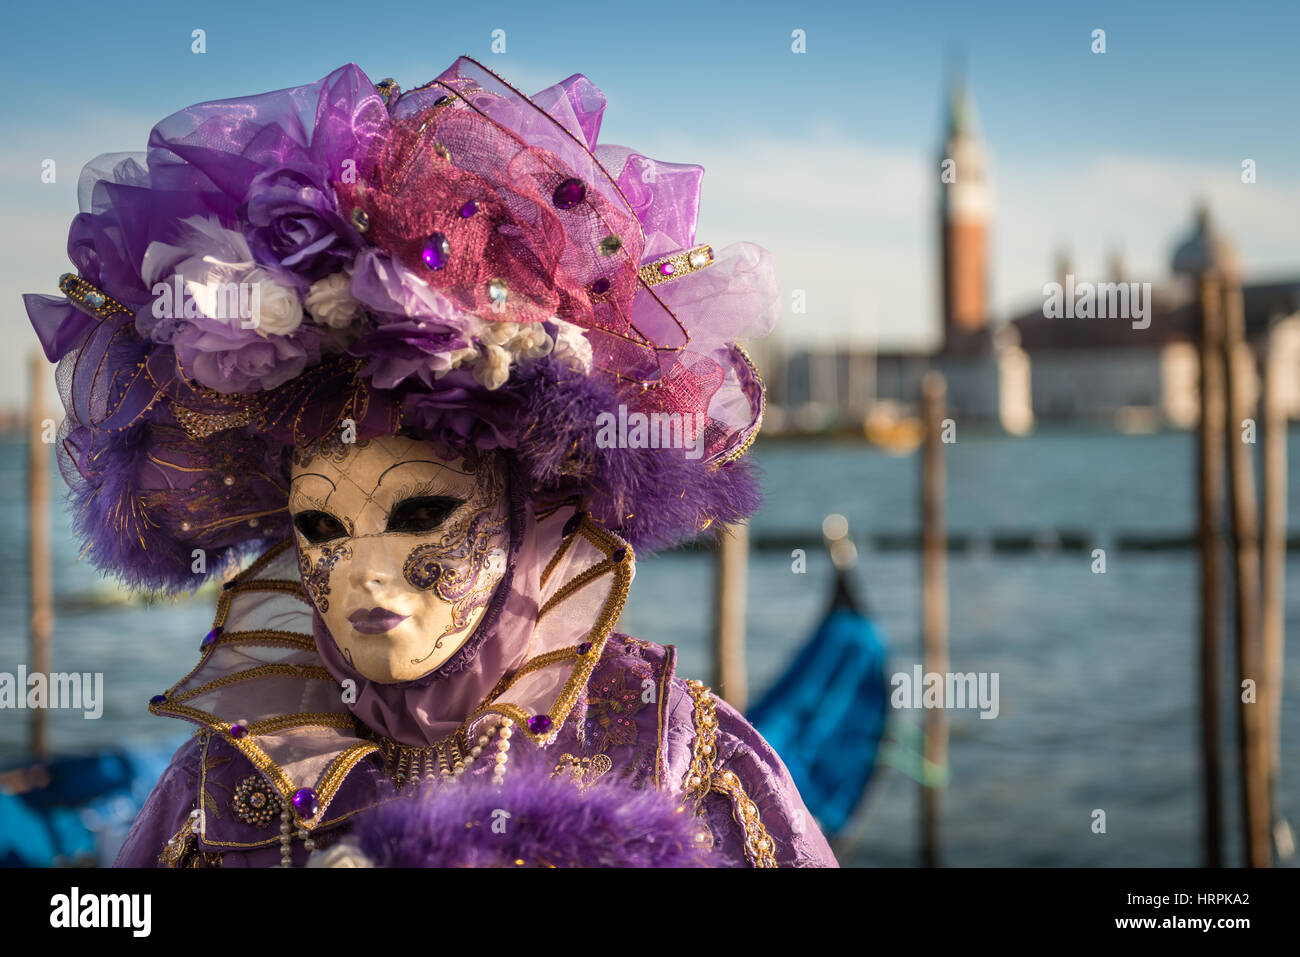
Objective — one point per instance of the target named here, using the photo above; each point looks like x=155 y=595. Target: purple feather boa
x=654 y=497
x=550 y=823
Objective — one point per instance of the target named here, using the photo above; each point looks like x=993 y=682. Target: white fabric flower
x=531 y=342
x=572 y=345
x=493 y=367
x=276 y=309
x=498 y=333
x=457 y=358
x=330 y=301
x=219 y=275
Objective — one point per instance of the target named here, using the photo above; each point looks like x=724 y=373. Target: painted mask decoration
x=400 y=548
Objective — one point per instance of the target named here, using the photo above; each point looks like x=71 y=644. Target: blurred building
x=987 y=372
x=1135 y=372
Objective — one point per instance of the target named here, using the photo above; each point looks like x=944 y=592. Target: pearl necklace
x=415 y=763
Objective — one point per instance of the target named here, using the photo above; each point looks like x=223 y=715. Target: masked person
x=437 y=362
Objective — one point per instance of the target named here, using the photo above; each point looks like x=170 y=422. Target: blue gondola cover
x=825 y=716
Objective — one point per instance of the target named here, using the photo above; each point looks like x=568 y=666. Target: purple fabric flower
x=399 y=348
x=293 y=223
x=415 y=328
x=228 y=359
x=458 y=411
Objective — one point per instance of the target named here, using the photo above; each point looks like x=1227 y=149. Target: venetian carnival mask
x=400 y=548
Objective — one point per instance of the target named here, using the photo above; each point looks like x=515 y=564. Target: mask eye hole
x=318 y=526
x=422 y=513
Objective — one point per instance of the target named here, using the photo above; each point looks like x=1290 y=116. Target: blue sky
x=829 y=158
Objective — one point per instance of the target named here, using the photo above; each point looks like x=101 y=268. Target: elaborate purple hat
x=344 y=259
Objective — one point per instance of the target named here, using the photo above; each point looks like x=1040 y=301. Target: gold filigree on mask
x=316 y=575
x=460 y=566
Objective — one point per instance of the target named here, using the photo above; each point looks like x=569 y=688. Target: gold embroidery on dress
x=204 y=738
x=173 y=703
x=178 y=845
x=702 y=778
x=405 y=763
x=584 y=772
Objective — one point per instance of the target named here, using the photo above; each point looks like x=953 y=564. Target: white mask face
x=400 y=549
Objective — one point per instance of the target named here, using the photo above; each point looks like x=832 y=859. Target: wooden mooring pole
x=1273 y=556
x=40 y=582
x=934 y=606
x=1251 y=707
x=1209 y=453
x=730 y=677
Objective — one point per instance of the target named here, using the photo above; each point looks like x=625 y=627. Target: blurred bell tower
x=964 y=212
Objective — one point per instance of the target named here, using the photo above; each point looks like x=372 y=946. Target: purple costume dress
x=600 y=700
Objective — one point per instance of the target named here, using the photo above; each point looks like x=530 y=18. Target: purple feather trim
x=534 y=819
x=654 y=497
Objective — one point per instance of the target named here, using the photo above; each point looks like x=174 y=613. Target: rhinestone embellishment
x=255 y=802
x=539 y=723
x=305 y=802
x=436 y=251
x=677 y=265
x=569 y=194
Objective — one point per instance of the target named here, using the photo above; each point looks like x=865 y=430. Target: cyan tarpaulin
x=81 y=815
x=825 y=716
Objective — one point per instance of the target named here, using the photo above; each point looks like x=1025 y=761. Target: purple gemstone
x=469 y=209
x=600 y=286
x=572 y=524
x=666 y=269
x=158 y=699
x=620 y=553
x=539 y=724
x=436 y=251
x=238 y=731
x=584 y=648
x=569 y=193
x=305 y=802
x=211 y=636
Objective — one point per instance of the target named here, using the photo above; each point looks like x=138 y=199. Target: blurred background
x=921 y=175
